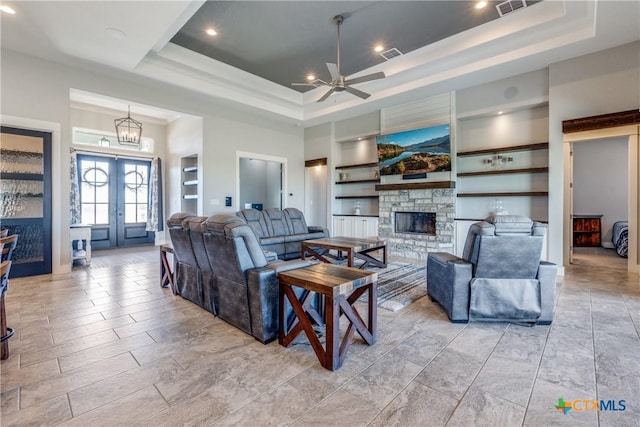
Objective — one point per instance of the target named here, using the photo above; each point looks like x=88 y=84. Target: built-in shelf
x=366 y=196
x=190 y=196
x=358 y=181
x=190 y=169
x=8 y=152
x=362 y=215
x=359 y=165
x=22 y=176
x=526 y=147
x=505 y=171
x=416 y=185
x=507 y=194
x=192 y=182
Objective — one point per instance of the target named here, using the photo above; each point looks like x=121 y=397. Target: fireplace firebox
x=416 y=222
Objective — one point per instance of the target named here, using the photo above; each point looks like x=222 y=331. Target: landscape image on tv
x=415 y=151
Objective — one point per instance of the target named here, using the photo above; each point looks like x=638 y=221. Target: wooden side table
x=166 y=270
x=341 y=287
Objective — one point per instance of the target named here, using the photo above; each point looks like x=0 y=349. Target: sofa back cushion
x=276 y=222
x=508 y=257
x=255 y=220
x=296 y=221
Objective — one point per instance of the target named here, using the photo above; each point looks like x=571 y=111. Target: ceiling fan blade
x=326 y=95
x=333 y=70
x=368 y=77
x=356 y=92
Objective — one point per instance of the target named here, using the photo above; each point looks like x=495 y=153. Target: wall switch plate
x=227 y=201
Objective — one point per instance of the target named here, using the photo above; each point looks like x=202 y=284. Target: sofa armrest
x=318 y=229
x=547 y=272
x=262 y=289
x=448 y=278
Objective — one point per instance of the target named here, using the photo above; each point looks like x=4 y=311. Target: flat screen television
x=415 y=152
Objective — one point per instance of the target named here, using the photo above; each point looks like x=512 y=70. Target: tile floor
x=105 y=345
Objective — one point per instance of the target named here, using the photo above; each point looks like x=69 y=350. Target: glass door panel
x=113 y=199
x=25 y=198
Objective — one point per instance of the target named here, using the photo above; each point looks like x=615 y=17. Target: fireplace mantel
x=416 y=185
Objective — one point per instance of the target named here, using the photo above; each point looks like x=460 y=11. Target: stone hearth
x=411 y=245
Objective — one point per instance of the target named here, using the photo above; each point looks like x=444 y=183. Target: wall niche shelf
x=190 y=189
x=366 y=196
x=358 y=165
x=506 y=171
x=507 y=194
x=525 y=147
x=359 y=181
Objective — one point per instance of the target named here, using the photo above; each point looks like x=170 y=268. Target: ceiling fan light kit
x=338 y=81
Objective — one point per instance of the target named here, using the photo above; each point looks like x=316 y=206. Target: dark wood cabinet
x=587 y=230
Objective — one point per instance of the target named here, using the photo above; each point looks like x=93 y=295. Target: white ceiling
x=76 y=32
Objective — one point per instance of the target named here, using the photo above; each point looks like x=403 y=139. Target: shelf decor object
x=128 y=130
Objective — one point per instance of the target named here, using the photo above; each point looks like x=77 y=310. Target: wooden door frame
x=620 y=124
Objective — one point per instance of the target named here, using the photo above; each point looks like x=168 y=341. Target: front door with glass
x=114 y=197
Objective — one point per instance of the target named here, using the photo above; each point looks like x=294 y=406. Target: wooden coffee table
x=341 y=287
x=354 y=247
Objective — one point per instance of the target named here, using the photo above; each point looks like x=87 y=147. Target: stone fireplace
x=429 y=225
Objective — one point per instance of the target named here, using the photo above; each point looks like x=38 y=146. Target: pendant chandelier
x=128 y=130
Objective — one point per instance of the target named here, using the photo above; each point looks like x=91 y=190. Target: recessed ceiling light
x=481 y=4
x=379 y=48
x=500 y=112
x=211 y=31
x=7 y=9
x=311 y=77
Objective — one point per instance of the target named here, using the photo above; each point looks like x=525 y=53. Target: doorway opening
x=114 y=197
x=261 y=181
x=599 y=200
x=623 y=126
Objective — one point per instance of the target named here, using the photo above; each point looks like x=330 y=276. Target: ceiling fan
x=338 y=81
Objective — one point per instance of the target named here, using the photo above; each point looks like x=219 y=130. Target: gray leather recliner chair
x=247 y=284
x=500 y=276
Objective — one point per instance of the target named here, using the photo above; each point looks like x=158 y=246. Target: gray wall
x=600 y=181
x=260 y=182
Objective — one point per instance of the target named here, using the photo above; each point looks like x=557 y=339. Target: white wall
x=600 y=83
x=600 y=181
x=184 y=138
x=39 y=90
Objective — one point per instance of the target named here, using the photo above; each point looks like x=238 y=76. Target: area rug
x=400 y=284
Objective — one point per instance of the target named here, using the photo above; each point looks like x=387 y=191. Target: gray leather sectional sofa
x=221 y=266
x=281 y=231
